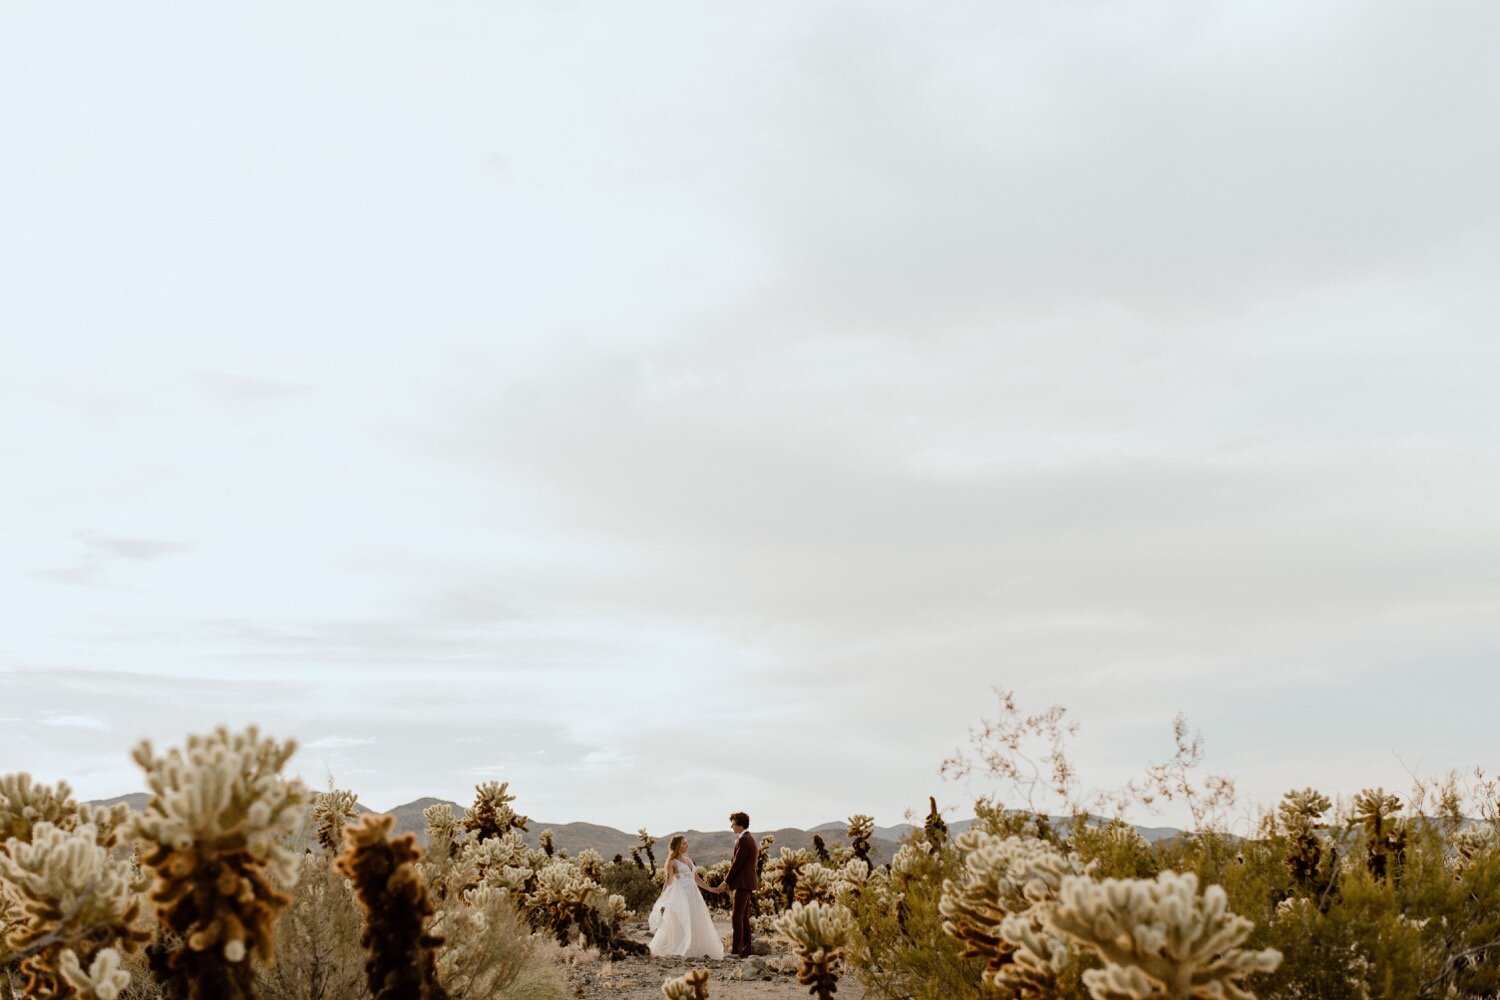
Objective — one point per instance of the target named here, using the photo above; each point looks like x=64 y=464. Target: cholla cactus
x=1000 y=910
x=851 y=881
x=819 y=932
x=933 y=828
x=591 y=864
x=442 y=830
x=692 y=986
x=72 y=899
x=861 y=829
x=817 y=884
x=780 y=876
x=330 y=812
x=24 y=804
x=1385 y=833
x=820 y=848
x=210 y=834
x=547 y=842
x=1474 y=842
x=1298 y=816
x=1159 y=939
x=647 y=843
x=492 y=815
x=400 y=953
x=564 y=898
x=104 y=979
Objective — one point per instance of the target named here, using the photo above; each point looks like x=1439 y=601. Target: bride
x=679 y=919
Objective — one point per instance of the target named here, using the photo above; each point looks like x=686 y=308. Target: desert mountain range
x=706 y=847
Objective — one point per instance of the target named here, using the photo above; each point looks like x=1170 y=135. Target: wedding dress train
x=680 y=921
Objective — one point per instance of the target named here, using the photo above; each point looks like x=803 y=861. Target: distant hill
x=706 y=847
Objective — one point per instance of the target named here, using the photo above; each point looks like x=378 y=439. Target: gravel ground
x=767 y=977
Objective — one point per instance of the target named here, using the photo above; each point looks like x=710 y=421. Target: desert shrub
x=489 y=953
x=318 y=954
x=635 y=885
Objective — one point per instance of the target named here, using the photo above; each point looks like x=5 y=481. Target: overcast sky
x=675 y=408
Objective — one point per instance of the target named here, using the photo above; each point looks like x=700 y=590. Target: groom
x=742 y=878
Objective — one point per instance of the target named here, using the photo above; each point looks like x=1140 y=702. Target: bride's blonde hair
x=676 y=847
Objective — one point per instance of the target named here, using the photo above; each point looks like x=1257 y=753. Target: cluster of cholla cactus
x=24 y=803
x=861 y=828
x=691 y=986
x=553 y=893
x=331 y=811
x=68 y=908
x=564 y=898
x=1000 y=910
x=819 y=933
x=400 y=950
x=70 y=903
x=1385 y=832
x=1160 y=939
x=1472 y=843
x=1028 y=910
x=211 y=832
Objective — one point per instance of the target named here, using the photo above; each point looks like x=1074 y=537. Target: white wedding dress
x=680 y=921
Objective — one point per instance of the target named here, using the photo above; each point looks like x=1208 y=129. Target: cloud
x=103 y=553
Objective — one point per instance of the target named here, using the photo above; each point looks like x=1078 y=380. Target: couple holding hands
x=680 y=921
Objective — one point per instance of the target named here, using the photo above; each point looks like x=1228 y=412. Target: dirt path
x=768 y=977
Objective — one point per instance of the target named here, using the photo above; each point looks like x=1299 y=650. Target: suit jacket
x=742 y=864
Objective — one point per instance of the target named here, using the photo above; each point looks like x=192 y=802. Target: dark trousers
x=744 y=903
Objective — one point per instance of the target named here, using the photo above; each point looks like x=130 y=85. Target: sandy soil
x=641 y=978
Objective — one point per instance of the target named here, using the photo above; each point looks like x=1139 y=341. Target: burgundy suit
x=743 y=878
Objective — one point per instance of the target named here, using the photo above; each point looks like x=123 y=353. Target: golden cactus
x=1298 y=816
x=691 y=986
x=71 y=899
x=210 y=832
x=861 y=828
x=819 y=932
x=999 y=910
x=400 y=953
x=591 y=863
x=779 y=877
x=492 y=815
x=1160 y=939
x=442 y=830
x=817 y=884
x=25 y=803
x=1385 y=833
x=547 y=842
x=104 y=979
x=330 y=812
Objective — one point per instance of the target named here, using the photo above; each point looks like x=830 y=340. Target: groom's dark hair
x=740 y=819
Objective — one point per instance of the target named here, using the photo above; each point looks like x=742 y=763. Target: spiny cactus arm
x=104 y=979
x=1189 y=945
x=691 y=986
